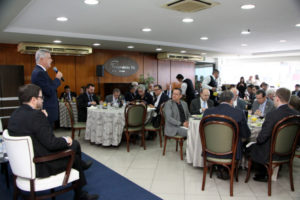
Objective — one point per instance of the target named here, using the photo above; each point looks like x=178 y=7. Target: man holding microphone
x=41 y=78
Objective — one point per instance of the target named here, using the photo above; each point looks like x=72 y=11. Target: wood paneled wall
x=80 y=70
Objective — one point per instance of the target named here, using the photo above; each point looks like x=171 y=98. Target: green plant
x=146 y=81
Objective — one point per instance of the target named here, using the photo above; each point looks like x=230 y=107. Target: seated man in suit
x=262 y=105
x=168 y=90
x=199 y=105
x=143 y=95
x=238 y=103
x=296 y=92
x=160 y=98
x=260 y=151
x=131 y=94
x=30 y=120
x=226 y=108
x=271 y=94
x=176 y=115
x=115 y=98
x=85 y=100
x=67 y=94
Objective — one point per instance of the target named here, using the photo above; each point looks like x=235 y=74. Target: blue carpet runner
x=101 y=180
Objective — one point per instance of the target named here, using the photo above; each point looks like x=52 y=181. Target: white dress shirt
x=203 y=104
x=157 y=100
x=42 y=67
x=183 y=87
x=207 y=80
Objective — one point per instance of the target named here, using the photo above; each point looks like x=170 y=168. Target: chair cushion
x=47 y=183
x=79 y=125
x=223 y=160
x=297 y=153
x=133 y=129
x=279 y=161
x=149 y=126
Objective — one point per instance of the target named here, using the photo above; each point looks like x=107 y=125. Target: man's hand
x=186 y=124
x=258 y=112
x=59 y=75
x=69 y=141
x=45 y=113
x=151 y=106
x=203 y=109
x=93 y=103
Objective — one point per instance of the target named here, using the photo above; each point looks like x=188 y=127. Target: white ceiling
x=118 y=23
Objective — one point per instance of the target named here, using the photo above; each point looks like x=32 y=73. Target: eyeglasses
x=41 y=97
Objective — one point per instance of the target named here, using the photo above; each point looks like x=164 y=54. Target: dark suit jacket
x=83 y=103
x=239 y=117
x=195 y=106
x=64 y=95
x=109 y=98
x=26 y=121
x=268 y=108
x=294 y=93
x=162 y=99
x=166 y=92
x=41 y=78
x=241 y=104
x=261 y=150
x=130 y=96
x=147 y=97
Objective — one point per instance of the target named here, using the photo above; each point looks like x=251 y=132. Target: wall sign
x=121 y=66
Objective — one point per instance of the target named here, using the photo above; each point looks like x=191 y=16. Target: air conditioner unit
x=190 y=5
x=31 y=48
x=179 y=57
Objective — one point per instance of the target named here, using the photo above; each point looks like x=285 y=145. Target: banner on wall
x=121 y=66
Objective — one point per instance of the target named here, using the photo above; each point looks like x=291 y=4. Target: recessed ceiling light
x=182 y=51
x=146 y=29
x=130 y=47
x=57 y=41
x=91 y=2
x=203 y=53
x=282 y=41
x=96 y=44
x=62 y=19
x=158 y=49
x=297 y=25
x=244 y=45
x=245 y=32
x=204 y=38
x=247 y=6
x=187 y=20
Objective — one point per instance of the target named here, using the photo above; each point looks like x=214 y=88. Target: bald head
x=204 y=94
x=235 y=93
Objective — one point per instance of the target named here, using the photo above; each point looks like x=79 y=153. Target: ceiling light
x=130 y=47
x=96 y=44
x=57 y=41
x=203 y=53
x=245 y=32
x=158 y=49
x=187 y=20
x=282 y=41
x=146 y=29
x=297 y=25
x=183 y=51
x=91 y=2
x=204 y=38
x=62 y=19
x=244 y=45
x=247 y=6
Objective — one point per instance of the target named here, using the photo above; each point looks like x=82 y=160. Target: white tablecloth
x=105 y=126
x=64 y=117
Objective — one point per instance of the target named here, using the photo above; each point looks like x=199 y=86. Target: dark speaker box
x=100 y=70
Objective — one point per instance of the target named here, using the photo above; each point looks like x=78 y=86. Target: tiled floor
x=172 y=179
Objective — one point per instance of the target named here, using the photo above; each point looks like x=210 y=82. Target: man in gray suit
x=114 y=98
x=199 y=105
x=237 y=101
x=262 y=105
x=176 y=115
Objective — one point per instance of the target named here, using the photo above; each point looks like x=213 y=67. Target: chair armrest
x=56 y=156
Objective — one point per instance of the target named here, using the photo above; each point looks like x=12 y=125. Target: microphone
x=56 y=70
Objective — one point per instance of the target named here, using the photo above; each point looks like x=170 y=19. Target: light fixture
x=158 y=49
x=245 y=32
x=146 y=29
x=96 y=44
x=204 y=38
x=182 y=51
x=203 y=53
x=62 y=19
x=57 y=41
x=91 y=2
x=130 y=47
x=297 y=25
x=282 y=41
x=247 y=6
x=244 y=45
x=187 y=20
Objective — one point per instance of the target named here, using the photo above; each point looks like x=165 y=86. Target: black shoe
x=222 y=174
x=260 y=178
x=86 y=196
x=86 y=164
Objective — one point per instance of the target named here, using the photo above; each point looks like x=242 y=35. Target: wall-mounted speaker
x=100 y=70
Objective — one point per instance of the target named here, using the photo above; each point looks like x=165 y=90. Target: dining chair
x=74 y=125
x=219 y=138
x=285 y=136
x=135 y=116
x=23 y=164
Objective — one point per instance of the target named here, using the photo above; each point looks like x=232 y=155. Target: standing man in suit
x=262 y=105
x=260 y=151
x=86 y=100
x=176 y=115
x=115 y=98
x=238 y=103
x=67 y=94
x=187 y=88
x=211 y=83
x=296 y=92
x=226 y=108
x=30 y=120
x=199 y=105
x=41 y=78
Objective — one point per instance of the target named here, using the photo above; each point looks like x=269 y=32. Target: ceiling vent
x=179 y=57
x=31 y=48
x=190 y=5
